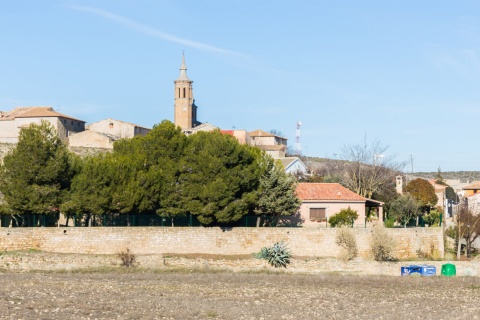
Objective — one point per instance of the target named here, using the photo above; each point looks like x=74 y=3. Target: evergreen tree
x=219 y=178
x=276 y=192
x=35 y=175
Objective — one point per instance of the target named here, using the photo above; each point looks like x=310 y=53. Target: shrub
x=346 y=239
x=127 y=258
x=432 y=218
x=390 y=223
x=382 y=244
x=278 y=255
x=345 y=217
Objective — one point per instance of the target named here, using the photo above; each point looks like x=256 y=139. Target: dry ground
x=140 y=294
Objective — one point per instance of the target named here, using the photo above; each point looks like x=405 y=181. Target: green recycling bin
x=449 y=270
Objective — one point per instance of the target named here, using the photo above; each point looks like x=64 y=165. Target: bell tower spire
x=184 y=104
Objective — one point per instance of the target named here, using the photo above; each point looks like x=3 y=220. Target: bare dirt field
x=118 y=294
x=40 y=285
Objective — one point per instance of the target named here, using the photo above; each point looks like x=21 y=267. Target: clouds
x=155 y=33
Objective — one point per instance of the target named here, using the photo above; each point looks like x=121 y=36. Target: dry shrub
x=346 y=239
x=382 y=244
x=127 y=258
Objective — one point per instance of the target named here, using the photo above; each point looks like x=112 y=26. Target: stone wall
x=306 y=242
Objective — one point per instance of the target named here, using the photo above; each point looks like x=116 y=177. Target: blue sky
x=404 y=72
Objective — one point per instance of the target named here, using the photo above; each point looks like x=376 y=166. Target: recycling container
x=449 y=270
x=423 y=270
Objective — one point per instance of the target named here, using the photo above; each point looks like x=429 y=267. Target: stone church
x=185 y=110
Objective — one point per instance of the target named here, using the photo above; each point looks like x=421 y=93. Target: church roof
x=183 y=71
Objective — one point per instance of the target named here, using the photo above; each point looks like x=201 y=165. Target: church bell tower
x=184 y=104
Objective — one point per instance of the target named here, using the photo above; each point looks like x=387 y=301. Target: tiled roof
x=12 y=114
x=261 y=133
x=473 y=186
x=287 y=161
x=38 y=112
x=326 y=191
x=120 y=121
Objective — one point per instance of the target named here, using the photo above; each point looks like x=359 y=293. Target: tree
x=439 y=177
x=91 y=188
x=450 y=194
x=404 y=208
x=276 y=192
x=218 y=178
x=368 y=168
x=423 y=192
x=468 y=226
x=36 y=174
x=344 y=217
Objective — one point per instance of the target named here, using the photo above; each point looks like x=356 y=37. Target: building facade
x=185 y=110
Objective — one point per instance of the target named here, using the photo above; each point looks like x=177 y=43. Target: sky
x=405 y=73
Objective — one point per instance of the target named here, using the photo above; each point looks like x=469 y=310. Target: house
x=473 y=203
x=91 y=139
x=242 y=136
x=471 y=189
x=319 y=201
x=104 y=133
x=118 y=129
x=262 y=138
x=440 y=191
x=11 y=122
x=293 y=165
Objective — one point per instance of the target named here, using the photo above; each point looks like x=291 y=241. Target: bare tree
x=468 y=225
x=368 y=168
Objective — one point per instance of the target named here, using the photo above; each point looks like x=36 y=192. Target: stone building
x=104 y=133
x=11 y=122
x=272 y=144
x=185 y=110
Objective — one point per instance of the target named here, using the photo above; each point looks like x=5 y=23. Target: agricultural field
x=210 y=294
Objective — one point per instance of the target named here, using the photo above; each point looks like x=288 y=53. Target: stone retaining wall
x=306 y=242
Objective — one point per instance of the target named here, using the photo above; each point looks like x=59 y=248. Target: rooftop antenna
x=298 y=146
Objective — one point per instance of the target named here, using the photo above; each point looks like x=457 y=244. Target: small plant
x=346 y=239
x=382 y=244
x=390 y=223
x=278 y=255
x=432 y=218
x=127 y=258
x=345 y=217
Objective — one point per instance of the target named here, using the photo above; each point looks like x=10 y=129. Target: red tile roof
x=326 y=191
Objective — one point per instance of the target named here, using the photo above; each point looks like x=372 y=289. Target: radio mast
x=298 y=146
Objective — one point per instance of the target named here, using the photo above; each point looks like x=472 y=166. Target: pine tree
x=35 y=175
x=276 y=193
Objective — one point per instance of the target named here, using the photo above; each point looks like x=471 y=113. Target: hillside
x=324 y=164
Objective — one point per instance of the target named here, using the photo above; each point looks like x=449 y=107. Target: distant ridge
x=463 y=176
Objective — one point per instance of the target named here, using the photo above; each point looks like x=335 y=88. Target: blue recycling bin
x=423 y=270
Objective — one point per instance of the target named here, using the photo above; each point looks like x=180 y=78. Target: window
x=318 y=214
x=179 y=92
x=184 y=92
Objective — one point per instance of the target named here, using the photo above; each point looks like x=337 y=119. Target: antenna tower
x=298 y=146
